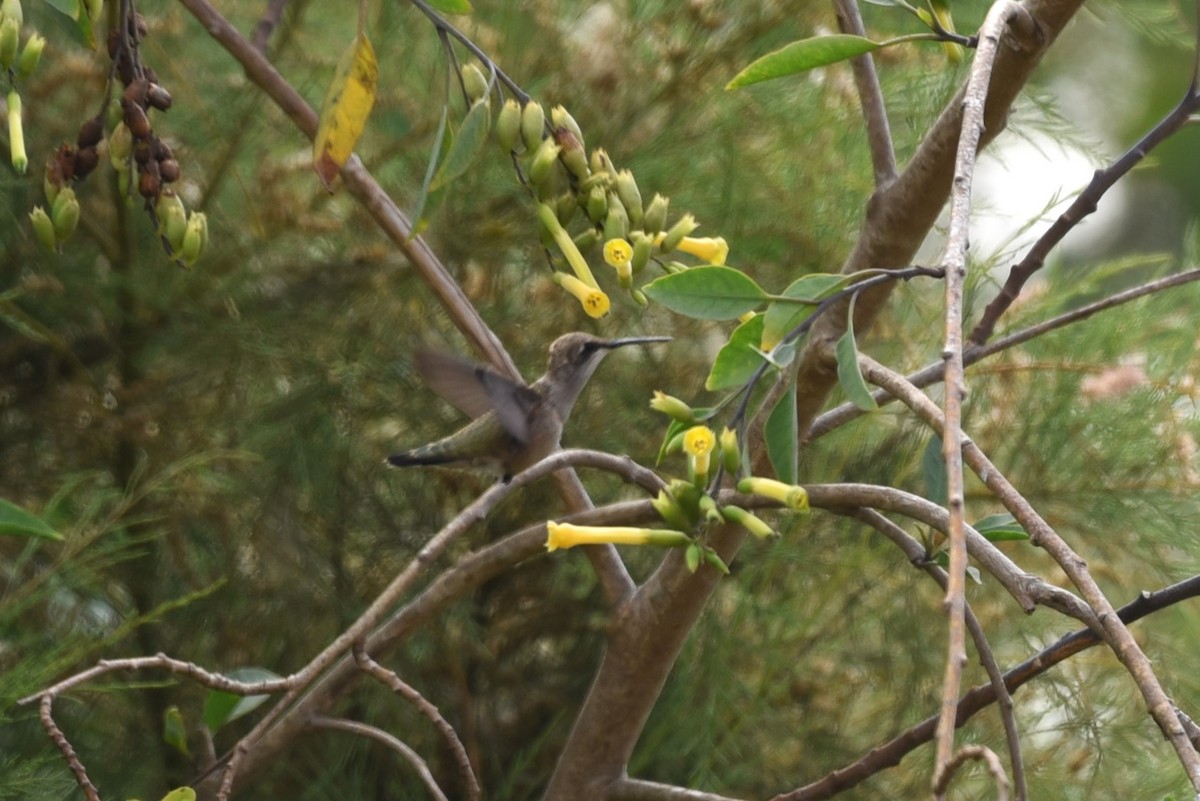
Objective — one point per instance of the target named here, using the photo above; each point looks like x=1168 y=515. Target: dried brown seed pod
x=169 y=170
x=64 y=158
x=149 y=184
x=141 y=152
x=90 y=132
x=150 y=75
x=135 y=92
x=158 y=97
x=162 y=151
x=135 y=119
x=86 y=159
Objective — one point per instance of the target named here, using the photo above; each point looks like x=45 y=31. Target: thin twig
x=1042 y=534
x=932 y=373
x=392 y=742
x=426 y=708
x=919 y=558
x=979 y=752
x=974 y=99
x=64 y=746
x=870 y=96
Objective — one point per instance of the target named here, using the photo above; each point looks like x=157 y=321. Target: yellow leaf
x=345 y=110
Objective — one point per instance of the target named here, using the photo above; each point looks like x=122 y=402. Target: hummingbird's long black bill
x=623 y=341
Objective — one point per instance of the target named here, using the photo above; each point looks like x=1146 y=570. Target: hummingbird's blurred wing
x=476 y=390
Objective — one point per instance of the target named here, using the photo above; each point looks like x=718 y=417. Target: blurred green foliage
x=222 y=429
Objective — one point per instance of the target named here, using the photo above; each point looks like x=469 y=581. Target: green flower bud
x=172 y=219
x=641 y=251
x=195 y=237
x=600 y=162
x=475 y=83
x=51 y=181
x=670 y=512
x=597 y=204
x=43 y=228
x=731 y=451
x=616 y=222
x=639 y=297
x=655 y=218
x=30 y=55
x=16 y=133
x=11 y=9
x=673 y=407
x=565 y=207
x=572 y=154
x=587 y=239
x=687 y=223
x=751 y=522
x=64 y=212
x=672 y=267
x=561 y=118
x=709 y=509
x=792 y=496
x=10 y=38
x=631 y=196
x=544 y=159
x=508 y=125
x=533 y=125
x=120 y=147
x=687 y=495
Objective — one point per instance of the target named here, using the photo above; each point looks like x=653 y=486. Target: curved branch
x=390 y=741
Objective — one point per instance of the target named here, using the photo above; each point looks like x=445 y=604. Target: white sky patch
x=1022 y=185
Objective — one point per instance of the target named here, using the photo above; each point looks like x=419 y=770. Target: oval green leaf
x=1001 y=527
x=707 y=293
x=221 y=707
x=467 y=146
x=738 y=358
x=849 y=376
x=803 y=55
x=16 y=522
x=783 y=445
x=807 y=291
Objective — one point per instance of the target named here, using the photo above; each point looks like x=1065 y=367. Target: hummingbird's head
x=575 y=356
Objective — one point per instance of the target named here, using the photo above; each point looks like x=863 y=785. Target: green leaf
x=738 y=358
x=1001 y=527
x=707 y=293
x=803 y=55
x=782 y=317
x=452 y=6
x=180 y=794
x=783 y=447
x=933 y=469
x=221 y=707
x=423 y=197
x=849 y=375
x=16 y=522
x=174 y=730
x=467 y=145
x=673 y=430
x=71 y=8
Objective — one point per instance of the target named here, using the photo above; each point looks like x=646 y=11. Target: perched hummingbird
x=515 y=425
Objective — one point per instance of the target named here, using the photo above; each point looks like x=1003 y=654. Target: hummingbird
x=515 y=425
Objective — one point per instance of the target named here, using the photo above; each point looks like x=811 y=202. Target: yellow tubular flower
x=595 y=303
x=568 y=535
x=617 y=252
x=790 y=495
x=713 y=250
x=569 y=249
x=698 y=443
x=752 y=523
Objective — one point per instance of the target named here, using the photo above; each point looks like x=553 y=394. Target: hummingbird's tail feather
x=418 y=459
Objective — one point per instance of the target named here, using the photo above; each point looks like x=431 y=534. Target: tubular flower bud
x=655 y=217
x=790 y=495
x=617 y=252
x=597 y=204
x=544 y=159
x=587 y=239
x=565 y=208
x=601 y=163
x=172 y=219
x=16 y=133
x=31 y=54
x=616 y=222
x=731 y=451
x=561 y=118
x=698 y=444
x=670 y=511
x=43 y=228
x=195 y=238
x=10 y=38
x=64 y=212
x=508 y=125
x=713 y=250
x=595 y=303
x=751 y=522
x=709 y=507
x=641 y=252
x=670 y=241
x=567 y=535
x=631 y=197
x=120 y=147
x=572 y=154
x=566 y=245
x=11 y=9
x=533 y=125
x=673 y=407
x=474 y=82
